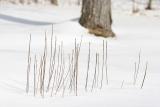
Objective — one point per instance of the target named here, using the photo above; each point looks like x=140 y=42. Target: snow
x=134 y=33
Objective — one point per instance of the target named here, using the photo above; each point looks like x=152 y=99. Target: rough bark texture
x=96 y=16
x=55 y=2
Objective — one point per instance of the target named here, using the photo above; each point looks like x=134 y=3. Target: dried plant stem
x=75 y=67
x=144 y=75
x=52 y=64
x=44 y=67
x=88 y=67
x=101 y=84
x=39 y=76
x=95 y=73
x=52 y=60
x=138 y=67
x=122 y=84
x=71 y=72
x=106 y=62
x=35 y=72
x=62 y=71
x=135 y=70
x=29 y=65
x=77 y=63
x=98 y=72
x=56 y=71
x=65 y=80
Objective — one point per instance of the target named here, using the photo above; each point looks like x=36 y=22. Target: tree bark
x=96 y=16
x=55 y=2
x=149 y=6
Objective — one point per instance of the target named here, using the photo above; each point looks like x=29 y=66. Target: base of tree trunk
x=55 y=2
x=97 y=31
x=149 y=5
x=148 y=8
x=101 y=32
x=135 y=11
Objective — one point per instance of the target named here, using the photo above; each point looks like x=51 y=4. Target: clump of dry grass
x=56 y=74
x=51 y=73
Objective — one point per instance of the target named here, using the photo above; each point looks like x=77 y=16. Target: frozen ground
x=134 y=33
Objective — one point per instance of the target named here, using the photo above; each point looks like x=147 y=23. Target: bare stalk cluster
x=137 y=71
x=55 y=72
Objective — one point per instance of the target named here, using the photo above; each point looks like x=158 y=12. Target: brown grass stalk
x=88 y=66
x=29 y=65
x=144 y=77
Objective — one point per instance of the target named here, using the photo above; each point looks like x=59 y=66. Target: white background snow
x=134 y=32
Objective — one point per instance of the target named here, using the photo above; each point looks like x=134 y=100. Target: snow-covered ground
x=134 y=33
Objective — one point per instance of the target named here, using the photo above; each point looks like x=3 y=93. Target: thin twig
x=144 y=75
x=135 y=72
x=138 y=66
x=88 y=67
x=35 y=69
x=29 y=65
x=95 y=73
x=122 y=84
x=102 y=67
x=106 y=62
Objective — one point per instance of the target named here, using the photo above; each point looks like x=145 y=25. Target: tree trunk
x=55 y=2
x=135 y=6
x=149 y=6
x=96 y=16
